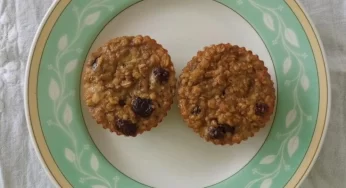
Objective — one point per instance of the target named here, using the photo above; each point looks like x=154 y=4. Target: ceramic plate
x=78 y=153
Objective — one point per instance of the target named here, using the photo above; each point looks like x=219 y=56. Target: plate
x=78 y=153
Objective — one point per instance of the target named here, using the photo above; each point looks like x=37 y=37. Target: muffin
x=129 y=84
x=226 y=94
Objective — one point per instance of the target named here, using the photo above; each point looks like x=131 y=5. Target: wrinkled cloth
x=19 y=165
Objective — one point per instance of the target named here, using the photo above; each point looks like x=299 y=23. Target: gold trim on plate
x=315 y=144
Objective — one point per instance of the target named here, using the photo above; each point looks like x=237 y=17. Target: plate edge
x=26 y=92
x=327 y=115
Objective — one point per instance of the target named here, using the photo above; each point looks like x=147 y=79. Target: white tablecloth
x=19 y=165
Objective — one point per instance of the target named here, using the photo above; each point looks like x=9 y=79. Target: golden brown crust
x=121 y=71
x=226 y=94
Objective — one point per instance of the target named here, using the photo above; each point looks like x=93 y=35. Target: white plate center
x=172 y=155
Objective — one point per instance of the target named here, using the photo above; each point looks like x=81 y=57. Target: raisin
x=126 y=127
x=122 y=102
x=142 y=107
x=196 y=110
x=217 y=133
x=161 y=74
x=227 y=128
x=261 y=109
x=220 y=131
